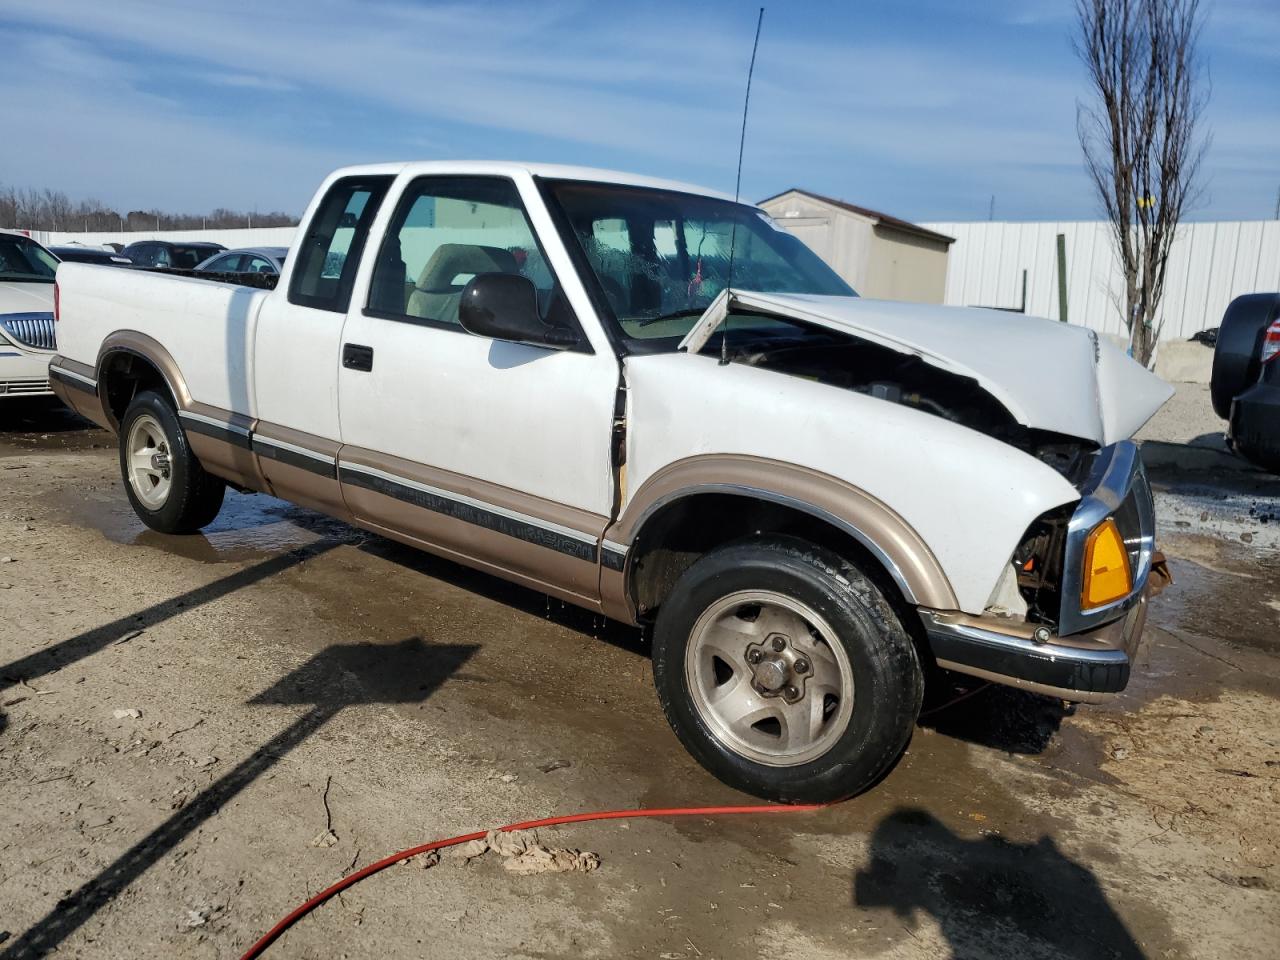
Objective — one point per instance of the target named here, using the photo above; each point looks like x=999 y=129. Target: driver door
x=493 y=453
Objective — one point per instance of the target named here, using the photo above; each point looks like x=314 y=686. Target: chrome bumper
x=1085 y=668
x=25 y=388
x=1088 y=658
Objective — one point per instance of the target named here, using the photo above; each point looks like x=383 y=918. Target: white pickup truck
x=646 y=399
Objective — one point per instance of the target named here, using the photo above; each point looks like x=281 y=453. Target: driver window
x=445 y=232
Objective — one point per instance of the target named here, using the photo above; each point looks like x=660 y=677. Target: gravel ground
x=1187 y=418
x=183 y=721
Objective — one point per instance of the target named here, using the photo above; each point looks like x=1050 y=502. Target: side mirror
x=504 y=306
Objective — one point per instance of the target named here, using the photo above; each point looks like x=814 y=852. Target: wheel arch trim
x=133 y=343
x=870 y=522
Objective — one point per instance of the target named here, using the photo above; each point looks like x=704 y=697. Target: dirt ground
x=291 y=676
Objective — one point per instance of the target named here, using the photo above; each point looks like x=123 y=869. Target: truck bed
x=260 y=281
x=205 y=321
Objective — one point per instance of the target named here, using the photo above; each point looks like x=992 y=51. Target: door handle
x=357 y=357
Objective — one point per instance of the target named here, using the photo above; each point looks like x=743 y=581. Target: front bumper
x=23 y=373
x=1086 y=668
x=1088 y=657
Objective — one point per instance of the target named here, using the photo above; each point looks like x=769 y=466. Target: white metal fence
x=244 y=237
x=1210 y=264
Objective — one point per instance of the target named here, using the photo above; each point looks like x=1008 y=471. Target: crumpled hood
x=18 y=297
x=1049 y=375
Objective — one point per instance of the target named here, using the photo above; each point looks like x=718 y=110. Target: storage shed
x=878 y=255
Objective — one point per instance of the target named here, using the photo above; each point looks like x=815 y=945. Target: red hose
x=301 y=911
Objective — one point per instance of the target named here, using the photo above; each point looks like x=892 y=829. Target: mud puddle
x=249 y=527
x=1241 y=507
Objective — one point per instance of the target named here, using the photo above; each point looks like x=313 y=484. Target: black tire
x=888 y=682
x=1237 y=356
x=194 y=496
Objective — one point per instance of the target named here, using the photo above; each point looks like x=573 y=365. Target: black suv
x=170 y=256
x=1246 y=377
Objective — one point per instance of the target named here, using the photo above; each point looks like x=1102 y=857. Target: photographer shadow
x=990 y=897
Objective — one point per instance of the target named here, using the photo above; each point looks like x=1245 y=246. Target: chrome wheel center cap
x=771 y=674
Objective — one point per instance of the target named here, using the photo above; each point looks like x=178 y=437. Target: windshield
x=24 y=259
x=661 y=257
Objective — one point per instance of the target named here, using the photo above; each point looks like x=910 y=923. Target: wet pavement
x=294 y=675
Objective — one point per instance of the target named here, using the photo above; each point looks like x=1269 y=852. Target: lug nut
x=779 y=644
x=755 y=656
x=802 y=665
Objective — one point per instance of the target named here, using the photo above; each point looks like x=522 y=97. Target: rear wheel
x=785 y=671
x=169 y=489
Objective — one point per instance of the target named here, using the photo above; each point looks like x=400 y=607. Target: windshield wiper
x=673 y=315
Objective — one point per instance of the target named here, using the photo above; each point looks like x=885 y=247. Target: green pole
x=1062 y=277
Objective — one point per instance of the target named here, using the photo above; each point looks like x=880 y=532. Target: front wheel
x=168 y=487
x=785 y=671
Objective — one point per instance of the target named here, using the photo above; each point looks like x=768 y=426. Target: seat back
x=438 y=291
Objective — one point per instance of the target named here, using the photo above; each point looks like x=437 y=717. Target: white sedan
x=26 y=316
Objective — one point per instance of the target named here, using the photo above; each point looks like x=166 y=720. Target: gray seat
x=436 y=295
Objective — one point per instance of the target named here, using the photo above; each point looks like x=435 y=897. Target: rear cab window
x=329 y=254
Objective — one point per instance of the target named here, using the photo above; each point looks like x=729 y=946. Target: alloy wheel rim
x=149 y=466
x=768 y=676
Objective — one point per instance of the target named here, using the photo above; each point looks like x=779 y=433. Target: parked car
x=268 y=260
x=74 y=254
x=1245 y=383
x=547 y=373
x=170 y=256
x=26 y=315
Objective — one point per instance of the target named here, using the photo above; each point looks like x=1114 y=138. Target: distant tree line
x=54 y=210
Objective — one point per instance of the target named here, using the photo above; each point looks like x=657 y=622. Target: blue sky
x=923 y=110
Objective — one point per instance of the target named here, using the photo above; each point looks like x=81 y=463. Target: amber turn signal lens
x=1106 y=567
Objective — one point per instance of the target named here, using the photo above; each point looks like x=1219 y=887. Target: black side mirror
x=504 y=306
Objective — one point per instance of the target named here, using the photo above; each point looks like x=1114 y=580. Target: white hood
x=18 y=297
x=1049 y=375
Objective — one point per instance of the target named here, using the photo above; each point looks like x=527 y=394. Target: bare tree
x=1141 y=137
x=54 y=210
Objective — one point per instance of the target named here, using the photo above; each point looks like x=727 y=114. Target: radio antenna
x=737 y=190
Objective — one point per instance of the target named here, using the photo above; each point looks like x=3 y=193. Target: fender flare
x=147 y=348
x=868 y=520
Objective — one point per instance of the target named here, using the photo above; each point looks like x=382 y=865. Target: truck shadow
x=41 y=415
x=337 y=677
x=1207 y=465
x=508 y=594
x=990 y=897
x=1000 y=718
